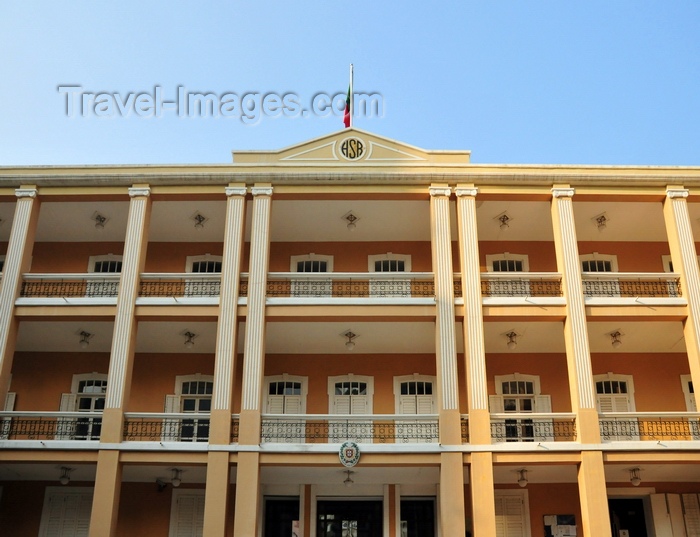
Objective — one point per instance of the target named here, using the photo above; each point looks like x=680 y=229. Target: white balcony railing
x=533 y=427
x=41 y=425
x=631 y=285
x=70 y=285
x=656 y=426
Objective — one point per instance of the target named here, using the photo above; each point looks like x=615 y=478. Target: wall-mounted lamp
x=199 y=220
x=65 y=475
x=616 y=338
x=350 y=218
x=99 y=219
x=85 y=338
x=634 y=477
x=512 y=337
x=348 y=482
x=522 y=477
x=177 y=477
x=351 y=336
x=189 y=338
x=503 y=221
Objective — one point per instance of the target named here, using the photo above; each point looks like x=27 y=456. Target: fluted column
x=246 y=510
x=451 y=471
x=578 y=354
x=684 y=257
x=17 y=261
x=474 y=352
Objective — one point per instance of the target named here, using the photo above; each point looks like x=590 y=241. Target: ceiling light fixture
x=85 y=338
x=503 y=221
x=601 y=221
x=348 y=482
x=199 y=220
x=350 y=343
x=616 y=338
x=65 y=475
x=522 y=477
x=634 y=477
x=189 y=338
x=177 y=477
x=512 y=339
x=350 y=218
x=100 y=220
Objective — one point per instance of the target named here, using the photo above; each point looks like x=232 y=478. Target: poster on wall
x=559 y=525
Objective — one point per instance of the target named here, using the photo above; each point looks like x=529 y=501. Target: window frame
x=94 y=259
x=596 y=256
x=192 y=259
x=507 y=256
x=293 y=260
x=389 y=256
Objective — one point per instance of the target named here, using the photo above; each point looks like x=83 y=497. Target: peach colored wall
x=172 y=256
x=540 y=254
x=657 y=383
x=143 y=510
x=70 y=256
x=20 y=507
x=319 y=367
x=40 y=378
x=553 y=499
x=631 y=256
x=551 y=368
x=350 y=256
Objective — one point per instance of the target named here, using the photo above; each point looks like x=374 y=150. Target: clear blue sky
x=589 y=82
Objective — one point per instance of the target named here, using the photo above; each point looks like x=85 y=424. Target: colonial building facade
x=349 y=337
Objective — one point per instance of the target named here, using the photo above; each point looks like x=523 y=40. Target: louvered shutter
x=171 y=426
x=407 y=404
x=544 y=429
x=275 y=404
x=65 y=426
x=189 y=518
x=613 y=403
x=359 y=404
x=84 y=510
x=68 y=515
x=496 y=404
x=6 y=423
x=691 y=506
x=510 y=519
x=341 y=404
x=292 y=404
x=498 y=427
x=424 y=404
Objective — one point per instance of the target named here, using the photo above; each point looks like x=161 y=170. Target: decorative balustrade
x=533 y=427
x=520 y=284
x=85 y=285
x=655 y=426
x=330 y=428
x=188 y=285
x=37 y=425
x=464 y=427
x=349 y=285
x=161 y=427
x=631 y=284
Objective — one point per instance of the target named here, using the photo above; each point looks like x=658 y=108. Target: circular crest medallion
x=352 y=148
x=349 y=454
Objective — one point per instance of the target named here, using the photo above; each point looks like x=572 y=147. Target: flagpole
x=352 y=104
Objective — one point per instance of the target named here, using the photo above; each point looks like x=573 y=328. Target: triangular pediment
x=351 y=147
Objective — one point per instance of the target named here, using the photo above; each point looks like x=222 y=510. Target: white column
x=17 y=261
x=254 y=352
x=124 y=336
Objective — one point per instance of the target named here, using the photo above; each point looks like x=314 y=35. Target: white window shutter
x=496 y=404
x=543 y=403
x=424 y=404
x=407 y=404
x=6 y=423
x=171 y=425
x=341 y=404
x=275 y=404
x=691 y=507
x=10 y=401
x=64 y=426
x=544 y=430
x=292 y=404
x=360 y=404
x=605 y=403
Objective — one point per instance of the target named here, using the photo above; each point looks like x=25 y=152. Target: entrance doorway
x=417 y=517
x=281 y=514
x=627 y=517
x=349 y=518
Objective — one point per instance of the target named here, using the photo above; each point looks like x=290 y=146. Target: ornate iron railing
x=87 y=285
x=190 y=285
x=328 y=428
x=464 y=426
x=349 y=285
x=631 y=284
x=533 y=427
x=521 y=284
x=161 y=427
x=50 y=425
x=649 y=426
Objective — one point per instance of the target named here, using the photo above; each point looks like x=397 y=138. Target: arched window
x=510 y=286
x=200 y=264
x=615 y=393
x=103 y=264
x=415 y=395
x=314 y=286
x=87 y=395
x=285 y=394
x=350 y=395
x=192 y=395
x=389 y=263
x=520 y=394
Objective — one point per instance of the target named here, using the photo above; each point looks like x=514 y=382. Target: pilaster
x=254 y=352
x=105 y=501
x=445 y=349
x=483 y=503
x=245 y=522
x=473 y=325
x=17 y=261
x=216 y=495
x=452 y=521
x=227 y=327
x=124 y=337
x=684 y=258
x=592 y=492
x=578 y=354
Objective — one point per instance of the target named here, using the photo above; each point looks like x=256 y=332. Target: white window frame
x=85 y=495
x=541 y=403
x=523 y=497
x=173 y=405
x=405 y=428
x=595 y=256
x=313 y=287
x=69 y=402
x=519 y=287
x=691 y=404
x=393 y=287
x=293 y=431
x=198 y=496
x=667 y=262
x=628 y=379
x=191 y=285
x=362 y=427
x=94 y=287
